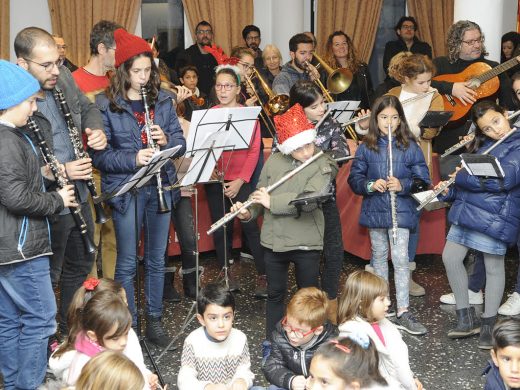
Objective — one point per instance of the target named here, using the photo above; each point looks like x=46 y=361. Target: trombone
x=338 y=80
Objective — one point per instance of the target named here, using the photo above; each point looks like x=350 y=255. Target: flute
x=393 y=199
x=451 y=180
x=463 y=143
x=248 y=203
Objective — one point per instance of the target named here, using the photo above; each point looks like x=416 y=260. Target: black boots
x=189 y=284
x=486 y=330
x=169 y=292
x=467 y=324
x=155 y=333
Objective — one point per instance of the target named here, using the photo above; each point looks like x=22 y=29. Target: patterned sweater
x=205 y=361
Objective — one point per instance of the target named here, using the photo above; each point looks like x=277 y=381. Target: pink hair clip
x=342 y=347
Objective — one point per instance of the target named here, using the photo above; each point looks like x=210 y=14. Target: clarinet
x=162 y=207
x=62 y=181
x=79 y=152
x=393 y=198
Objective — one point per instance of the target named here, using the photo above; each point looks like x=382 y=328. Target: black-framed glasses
x=407 y=27
x=48 y=66
x=473 y=42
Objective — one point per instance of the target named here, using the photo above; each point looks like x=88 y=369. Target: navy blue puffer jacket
x=489 y=205
x=369 y=165
x=117 y=161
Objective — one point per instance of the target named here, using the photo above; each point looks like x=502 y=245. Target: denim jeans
x=379 y=240
x=182 y=217
x=332 y=249
x=306 y=267
x=155 y=239
x=70 y=263
x=27 y=319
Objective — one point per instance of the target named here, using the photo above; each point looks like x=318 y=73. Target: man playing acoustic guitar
x=465 y=61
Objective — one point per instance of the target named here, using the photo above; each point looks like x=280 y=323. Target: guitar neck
x=498 y=70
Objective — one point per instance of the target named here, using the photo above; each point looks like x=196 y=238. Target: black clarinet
x=62 y=181
x=162 y=205
x=79 y=152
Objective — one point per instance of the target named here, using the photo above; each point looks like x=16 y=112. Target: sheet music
x=343 y=110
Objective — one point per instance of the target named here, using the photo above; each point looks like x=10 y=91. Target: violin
x=199 y=101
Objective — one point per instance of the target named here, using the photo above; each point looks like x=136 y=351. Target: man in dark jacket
x=465 y=46
x=197 y=56
x=28 y=307
x=406 y=41
x=37 y=53
x=296 y=337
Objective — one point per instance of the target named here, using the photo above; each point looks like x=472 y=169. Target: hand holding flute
x=260 y=196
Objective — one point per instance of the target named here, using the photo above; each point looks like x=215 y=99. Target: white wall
x=495 y=17
x=27 y=13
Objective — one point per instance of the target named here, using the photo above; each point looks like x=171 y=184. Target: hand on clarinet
x=143 y=157
x=231 y=188
x=393 y=184
x=96 y=139
x=79 y=169
x=68 y=195
x=158 y=135
x=463 y=91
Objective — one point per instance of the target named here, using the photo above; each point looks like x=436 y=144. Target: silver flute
x=51 y=160
x=79 y=152
x=451 y=180
x=470 y=138
x=248 y=203
x=393 y=197
x=163 y=206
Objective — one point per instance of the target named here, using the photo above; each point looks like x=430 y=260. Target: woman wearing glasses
x=237 y=167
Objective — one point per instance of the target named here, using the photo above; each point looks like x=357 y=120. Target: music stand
x=343 y=110
x=199 y=171
x=138 y=180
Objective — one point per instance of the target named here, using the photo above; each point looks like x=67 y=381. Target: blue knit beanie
x=17 y=85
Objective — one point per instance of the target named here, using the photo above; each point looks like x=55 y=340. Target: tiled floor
x=440 y=363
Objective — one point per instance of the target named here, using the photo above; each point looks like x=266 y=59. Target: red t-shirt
x=88 y=82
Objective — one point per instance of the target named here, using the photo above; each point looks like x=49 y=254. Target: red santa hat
x=128 y=46
x=293 y=129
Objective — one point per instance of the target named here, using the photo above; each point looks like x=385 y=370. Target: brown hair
x=403 y=135
x=477 y=112
x=410 y=65
x=82 y=296
x=359 y=293
x=104 y=310
x=353 y=63
x=120 y=83
x=110 y=370
x=309 y=306
x=240 y=51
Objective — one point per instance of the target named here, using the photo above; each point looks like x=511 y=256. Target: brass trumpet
x=276 y=104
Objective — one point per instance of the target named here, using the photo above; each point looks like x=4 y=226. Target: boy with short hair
x=215 y=356
x=296 y=337
x=28 y=305
x=504 y=371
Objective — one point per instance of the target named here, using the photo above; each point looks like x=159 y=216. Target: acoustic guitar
x=483 y=80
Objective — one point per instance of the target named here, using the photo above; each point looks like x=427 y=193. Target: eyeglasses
x=473 y=42
x=253 y=38
x=407 y=27
x=225 y=87
x=48 y=66
x=204 y=32
x=297 y=332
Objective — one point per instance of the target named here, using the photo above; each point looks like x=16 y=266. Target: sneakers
x=155 y=333
x=475 y=298
x=266 y=351
x=390 y=312
x=511 y=307
x=261 y=287
x=416 y=290
x=246 y=255
x=409 y=323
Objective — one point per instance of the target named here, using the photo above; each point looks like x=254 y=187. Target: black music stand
x=138 y=180
x=199 y=172
x=239 y=123
x=343 y=110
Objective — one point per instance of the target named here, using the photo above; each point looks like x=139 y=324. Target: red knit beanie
x=128 y=46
